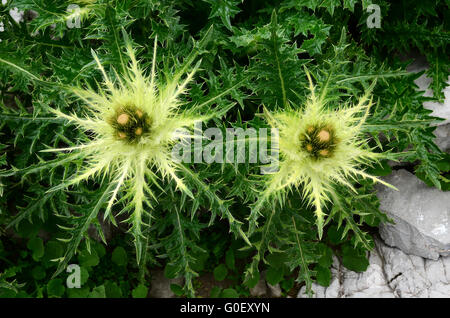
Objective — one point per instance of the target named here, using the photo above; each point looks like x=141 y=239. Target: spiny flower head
x=132 y=124
x=319 y=149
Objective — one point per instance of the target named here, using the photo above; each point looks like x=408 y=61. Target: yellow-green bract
x=319 y=149
x=134 y=122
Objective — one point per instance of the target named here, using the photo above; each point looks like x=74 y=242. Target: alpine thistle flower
x=132 y=124
x=319 y=148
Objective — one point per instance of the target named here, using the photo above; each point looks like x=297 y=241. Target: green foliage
x=140 y=292
x=24 y=275
x=354 y=259
x=424 y=29
x=253 y=57
x=229 y=293
x=220 y=272
x=37 y=247
x=119 y=256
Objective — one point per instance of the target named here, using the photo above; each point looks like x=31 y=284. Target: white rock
x=391 y=273
x=16 y=15
x=368 y=284
x=439 y=110
x=413 y=276
x=405 y=273
x=421 y=215
x=442 y=140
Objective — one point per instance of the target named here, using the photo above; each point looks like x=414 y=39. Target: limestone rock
x=421 y=215
x=439 y=110
x=349 y=284
x=442 y=140
x=413 y=276
x=391 y=273
x=16 y=14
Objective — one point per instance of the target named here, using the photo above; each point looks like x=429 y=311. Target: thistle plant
x=132 y=124
x=319 y=148
x=107 y=122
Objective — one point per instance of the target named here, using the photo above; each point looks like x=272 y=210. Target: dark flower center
x=130 y=123
x=319 y=141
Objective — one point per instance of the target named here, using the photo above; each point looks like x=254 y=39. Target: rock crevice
x=391 y=274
